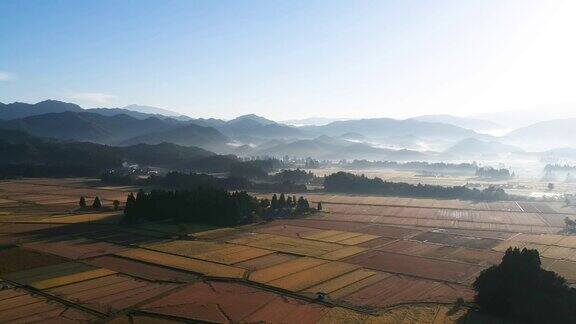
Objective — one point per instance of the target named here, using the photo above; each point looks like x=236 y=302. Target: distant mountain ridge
x=18 y=110
x=544 y=135
x=188 y=135
x=464 y=122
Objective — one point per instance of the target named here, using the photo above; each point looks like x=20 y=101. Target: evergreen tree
x=289 y=201
x=282 y=201
x=274 y=202
x=116 y=204
x=82 y=202
x=294 y=201
x=302 y=205
x=129 y=214
x=319 y=206
x=96 y=204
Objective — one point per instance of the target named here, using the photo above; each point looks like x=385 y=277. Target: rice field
x=19 y=306
x=183 y=263
x=376 y=259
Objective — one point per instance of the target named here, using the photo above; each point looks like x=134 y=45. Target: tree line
x=360 y=184
x=208 y=205
x=492 y=173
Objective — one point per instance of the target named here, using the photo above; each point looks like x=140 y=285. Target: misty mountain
x=153 y=110
x=18 y=110
x=25 y=149
x=313 y=121
x=464 y=122
x=386 y=127
x=256 y=126
x=544 y=135
x=324 y=147
x=84 y=126
x=138 y=115
x=475 y=147
x=514 y=119
x=189 y=135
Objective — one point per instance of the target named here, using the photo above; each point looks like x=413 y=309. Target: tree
x=274 y=202
x=116 y=204
x=289 y=201
x=520 y=289
x=82 y=202
x=282 y=201
x=96 y=204
x=319 y=206
x=302 y=205
x=294 y=201
x=550 y=186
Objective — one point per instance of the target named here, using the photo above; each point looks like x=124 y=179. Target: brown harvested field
x=141 y=270
x=233 y=254
x=17 y=259
x=74 y=248
x=72 y=278
x=327 y=199
x=547 y=239
x=112 y=293
x=480 y=257
x=342 y=253
x=376 y=242
x=421 y=313
x=416 y=266
x=475 y=216
x=319 y=223
x=312 y=276
x=566 y=269
x=457 y=240
x=342 y=315
x=221 y=302
x=56 y=274
x=441 y=223
x=217 y=234
x=27 y=276
x=294 y=245
x=18 y=306
x=410 y=247
x=185 y=248
x=399 y=289
x=345 y=280
x=284 y=269
x=333 y=236
x=287 y=230
x=183 y=263
x=481 y=234
x=265 y=261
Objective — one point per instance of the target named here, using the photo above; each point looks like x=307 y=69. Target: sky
x=292 y=59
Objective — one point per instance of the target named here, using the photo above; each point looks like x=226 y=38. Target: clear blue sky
x=291 y=59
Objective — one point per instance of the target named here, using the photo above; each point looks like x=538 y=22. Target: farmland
x=374 y=259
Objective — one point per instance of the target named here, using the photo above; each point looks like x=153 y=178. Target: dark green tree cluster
x=255 y=169
x=291 y=204
x=492 y=173
x=203 y=205
x=351 y=183
x=96 y=204
x=520 y=289
x=295 y=176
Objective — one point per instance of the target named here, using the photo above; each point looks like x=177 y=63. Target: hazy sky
x=291 y=59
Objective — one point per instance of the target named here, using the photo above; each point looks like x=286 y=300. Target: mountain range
x=251 y=135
